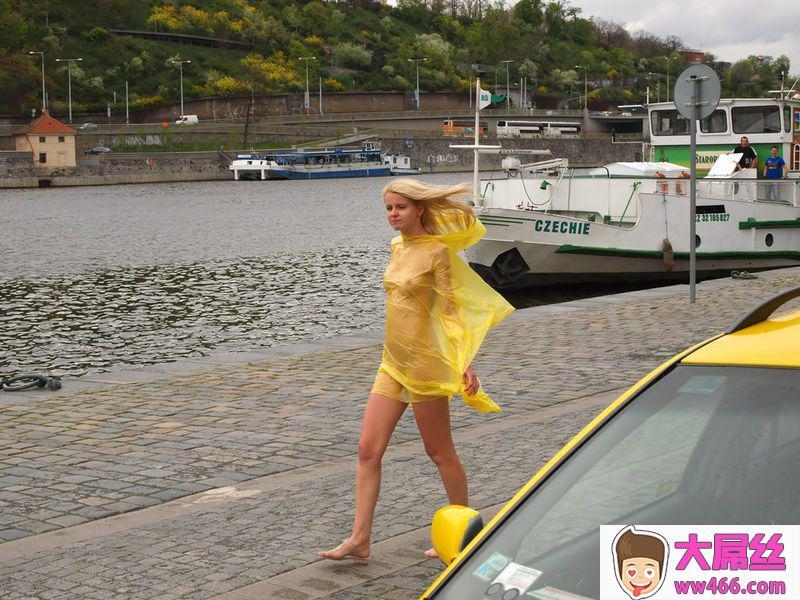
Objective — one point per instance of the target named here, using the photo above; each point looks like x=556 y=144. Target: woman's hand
x=471 y=383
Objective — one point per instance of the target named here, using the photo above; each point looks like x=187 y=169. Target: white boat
x=400 y=164
x=250 y=166
x=548 y=225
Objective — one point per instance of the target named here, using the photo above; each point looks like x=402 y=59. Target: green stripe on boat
x=753 y=224
x=628 y=253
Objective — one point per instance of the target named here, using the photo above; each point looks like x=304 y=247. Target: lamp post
x=585 y=85
x=658 y=86
x=417 y=60
x=44 y=96
x=69 y=62
x=180 y=64
x=307 y=99
x=508 y=89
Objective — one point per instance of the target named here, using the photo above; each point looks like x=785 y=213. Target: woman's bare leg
x=380 y=418
x=433 y=421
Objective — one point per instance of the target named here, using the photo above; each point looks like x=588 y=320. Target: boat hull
x=283 y=173
x=534 y=248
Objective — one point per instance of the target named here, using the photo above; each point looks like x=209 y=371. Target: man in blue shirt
x=774 y=169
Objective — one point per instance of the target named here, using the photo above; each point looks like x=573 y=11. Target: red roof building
x=51 y=142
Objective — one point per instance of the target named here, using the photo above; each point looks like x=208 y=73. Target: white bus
x=528 y=129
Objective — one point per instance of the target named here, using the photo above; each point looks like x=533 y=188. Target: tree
x=528 y=69
x=352 y=55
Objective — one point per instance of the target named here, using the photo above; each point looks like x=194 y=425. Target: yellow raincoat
x=438 y=311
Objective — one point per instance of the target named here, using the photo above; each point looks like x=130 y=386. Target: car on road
x=98 y=150
x=187 y=120
x=711 y=437
x=88 y=125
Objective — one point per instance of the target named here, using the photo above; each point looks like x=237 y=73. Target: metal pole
x=508 y=89
x=44 y=94
x=469 y=93
x=667 y=80
x=476 y=184
x=69 y=87
x=127 y=114
x=418 y=98
x=69 y=62
x=307 y=92
x=320 y=94
x=181 y=66
x=693 y=193
x=585 y=89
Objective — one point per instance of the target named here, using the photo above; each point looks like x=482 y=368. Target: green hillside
x=361 y=45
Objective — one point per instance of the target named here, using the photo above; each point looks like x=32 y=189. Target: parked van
x=187 y=120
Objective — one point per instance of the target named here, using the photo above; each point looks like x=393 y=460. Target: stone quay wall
x=432 y=154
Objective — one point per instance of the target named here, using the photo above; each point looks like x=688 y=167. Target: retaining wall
x=436 y=154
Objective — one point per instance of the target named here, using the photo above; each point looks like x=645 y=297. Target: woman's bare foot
x=347 y=549
x=431 y=553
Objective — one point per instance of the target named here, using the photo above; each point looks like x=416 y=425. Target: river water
x=101 y=278
x=97 y=278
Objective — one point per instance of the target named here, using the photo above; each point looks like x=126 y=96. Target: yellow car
x=711 y=437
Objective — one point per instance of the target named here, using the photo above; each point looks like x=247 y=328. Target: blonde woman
x=437 y=313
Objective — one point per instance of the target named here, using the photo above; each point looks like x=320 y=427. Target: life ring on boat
x=150 y=161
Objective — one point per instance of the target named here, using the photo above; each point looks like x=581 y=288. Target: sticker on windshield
x=517 y=577
x=702 y=384
x=551 y=593
x=489 y=570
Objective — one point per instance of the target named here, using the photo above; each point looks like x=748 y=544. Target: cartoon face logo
x=640 y=557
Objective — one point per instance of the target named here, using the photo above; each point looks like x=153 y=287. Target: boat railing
x=782 y=191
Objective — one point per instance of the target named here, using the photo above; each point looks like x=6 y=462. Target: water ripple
x=132 y=316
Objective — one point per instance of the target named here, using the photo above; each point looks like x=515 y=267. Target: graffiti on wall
x=440 y=160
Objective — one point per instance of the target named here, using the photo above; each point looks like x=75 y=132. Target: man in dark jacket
x=749 y=158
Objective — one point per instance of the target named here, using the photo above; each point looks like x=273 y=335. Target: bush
x=352 y=55
x=96 y=34
x=147 y=101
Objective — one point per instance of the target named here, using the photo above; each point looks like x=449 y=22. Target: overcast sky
x=730 y=29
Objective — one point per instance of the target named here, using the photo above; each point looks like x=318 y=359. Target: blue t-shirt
x=774 y=167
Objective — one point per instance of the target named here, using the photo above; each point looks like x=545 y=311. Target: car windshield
x=703 y=445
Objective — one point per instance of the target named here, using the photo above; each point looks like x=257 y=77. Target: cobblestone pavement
x=232 y=475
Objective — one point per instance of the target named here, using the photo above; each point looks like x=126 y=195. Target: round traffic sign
x=708 y=91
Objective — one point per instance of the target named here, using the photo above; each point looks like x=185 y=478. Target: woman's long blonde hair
x=442 y=207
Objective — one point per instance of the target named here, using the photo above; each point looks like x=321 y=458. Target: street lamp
x=417 y=60
x=585 y=85
x=658 y=85
x=69 y=62
x=508 y=89
x=666 y=58
x=307 y=99
x=180 y=63
x=44 y=97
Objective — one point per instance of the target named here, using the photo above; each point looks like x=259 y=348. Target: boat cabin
x=764 y=121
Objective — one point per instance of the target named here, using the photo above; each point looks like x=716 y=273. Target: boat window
x=668 y=122
x=717 y=122
x=756 y=119
x=787 y=118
